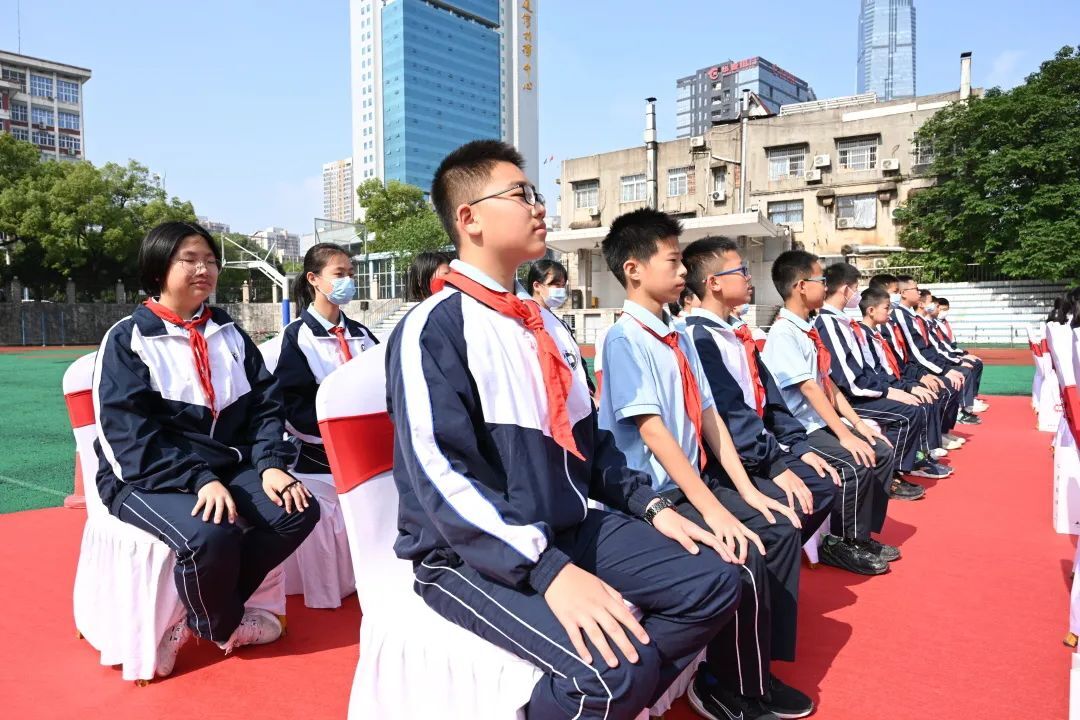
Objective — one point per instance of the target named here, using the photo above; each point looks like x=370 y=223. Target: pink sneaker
x=170 y=645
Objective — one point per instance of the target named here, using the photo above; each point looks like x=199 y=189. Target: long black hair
x=158 y=247
x=315 y=260
x=418 y=276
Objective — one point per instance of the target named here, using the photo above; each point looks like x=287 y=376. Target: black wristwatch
x=655 y=506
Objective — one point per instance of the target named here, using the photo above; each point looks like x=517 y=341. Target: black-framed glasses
x=816 y=278
x=741 y=270
x=528 y=194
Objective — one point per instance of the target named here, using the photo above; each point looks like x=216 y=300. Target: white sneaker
x=170 y=645
x=952 y=444
x=981 y=406
x=949 y=437
x=939 y=453
x=258 y=627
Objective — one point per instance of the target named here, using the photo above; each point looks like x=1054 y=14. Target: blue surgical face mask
x=742 y=310
x=894 y=298
x=556 y=297
x=931 y=307
x=342 y=292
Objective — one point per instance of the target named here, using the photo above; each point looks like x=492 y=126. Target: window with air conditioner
x=41 y=116
x=786 y=162
x=922 y=152
x=586 y=194
x=860 y=211
x=719 y=180
x=632 y=188
x=858 y=153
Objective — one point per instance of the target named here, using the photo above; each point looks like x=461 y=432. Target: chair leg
x=141 y=683
x=284 y=625
x=1071 y=640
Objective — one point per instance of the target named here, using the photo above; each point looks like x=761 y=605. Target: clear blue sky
x=240 y=102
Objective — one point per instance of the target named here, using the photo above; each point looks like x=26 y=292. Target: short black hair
x=158 y=247
x=839 y=275
x=635 y=236
x=539 y=271
x=872 y=297
x=421 y=270
x=315 y=260
x=463 y=172
x=881 y=280
x=942 y=301
x=905 y=279
x=697 y=255
x=791 y=267
x=925 y=293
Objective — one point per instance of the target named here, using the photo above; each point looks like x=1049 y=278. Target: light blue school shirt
x=791 y=357
x=641 y=377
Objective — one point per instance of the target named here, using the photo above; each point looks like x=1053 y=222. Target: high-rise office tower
x=337 y=179
x=430 y=75
x=887 y=48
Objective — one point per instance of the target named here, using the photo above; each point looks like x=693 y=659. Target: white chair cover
x=321 y=568
x=124 y=595
x=404 y=644
x=1045 y=388
x=1060 y=341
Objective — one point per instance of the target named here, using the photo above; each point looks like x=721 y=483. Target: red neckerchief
x=343 y=344
x=898 y=333
x=860 y=336
x=200 y=354
x=558 y=377
x=889 y=356
x=947 y=326
x=750 y=348
x=923 y=329
x=691 y=391
x=824 y=362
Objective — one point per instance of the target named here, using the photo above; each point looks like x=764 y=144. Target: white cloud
x=1005 y=70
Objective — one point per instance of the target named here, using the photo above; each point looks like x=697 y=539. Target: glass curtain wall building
x=886 y=62
x=428 y=76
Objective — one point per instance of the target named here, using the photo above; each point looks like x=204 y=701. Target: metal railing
x=968 y=272
x=377 y=316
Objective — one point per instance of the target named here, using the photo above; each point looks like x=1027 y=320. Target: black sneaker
x=930 y=469
x=846 y=555
x=966 y=418
x=785 y=701
x=711 y=700
x=888 y=553
x=904 y=490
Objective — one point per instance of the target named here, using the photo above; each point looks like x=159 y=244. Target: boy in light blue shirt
x=657 y=403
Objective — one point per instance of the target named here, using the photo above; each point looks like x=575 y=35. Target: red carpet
x=968 y=625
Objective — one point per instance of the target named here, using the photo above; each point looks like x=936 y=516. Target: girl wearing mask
x=315 y=344
x=546 y=283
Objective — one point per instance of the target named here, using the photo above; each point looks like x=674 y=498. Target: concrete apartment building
x=338 y=193
x=284 y=244
x=825 y=175
x=41 y=101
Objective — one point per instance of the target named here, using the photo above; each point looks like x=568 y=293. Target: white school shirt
x=791 y=357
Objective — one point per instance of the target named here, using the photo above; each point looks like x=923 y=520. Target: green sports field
x=37 y=450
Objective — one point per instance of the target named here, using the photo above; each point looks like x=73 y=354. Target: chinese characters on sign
x=527 y=43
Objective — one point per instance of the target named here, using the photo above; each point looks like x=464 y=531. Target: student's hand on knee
x=871 y=434
x=796 y=489
x=580 y=602
x=955 y=379
x=732 y=533
x=285 y=490
x=687 y=533
x=767 y=506
x=859 y=449
x=821 y=467
x=215 y=501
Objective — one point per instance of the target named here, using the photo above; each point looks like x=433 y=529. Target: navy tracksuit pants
x=862 y=500
x=218 y=567
x=904 y=425
x=685 y=600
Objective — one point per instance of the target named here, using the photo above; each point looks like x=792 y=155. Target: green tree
x=401 y=219
x=1008 y=180
x=387 y=205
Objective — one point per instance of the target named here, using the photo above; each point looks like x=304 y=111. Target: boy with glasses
x=799 y=363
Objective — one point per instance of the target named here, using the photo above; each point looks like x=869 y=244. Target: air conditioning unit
x=845 y=223
x=593 y=211
x=697 y=141
x=718 y=196
x=821 y=161
x=812 y=175
x=890 y=165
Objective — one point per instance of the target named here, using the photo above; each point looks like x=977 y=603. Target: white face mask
x=931 y=307
x=894 y=298
x=556 y=297
x=943 y=314
x=742 y=310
